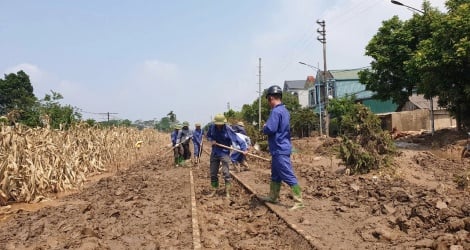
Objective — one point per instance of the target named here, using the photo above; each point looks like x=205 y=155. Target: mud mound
x=441 y=138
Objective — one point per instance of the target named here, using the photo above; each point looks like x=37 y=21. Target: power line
x=99 y=113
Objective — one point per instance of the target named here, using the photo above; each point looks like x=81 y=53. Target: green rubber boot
x=274 y=190
x=180 y=161
x=228 y=186
x=214 y=186
x=297 y=193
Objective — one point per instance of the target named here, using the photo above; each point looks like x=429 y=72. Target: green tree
x=16 y=93
x=172 y=116
x=164 y=124
x=56 y=114
x=304 y=121
x=428 y=54
x=337 y=109
x=443 y=60
x=390 y=48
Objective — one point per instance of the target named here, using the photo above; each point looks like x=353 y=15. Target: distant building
x=300 y=88
x=342 y=83
x=415 y=115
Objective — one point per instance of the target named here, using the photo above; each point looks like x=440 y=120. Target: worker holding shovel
x=277 y=128
x=221 y=136
x=183 y=138
x=177 y=149
x=198 y=133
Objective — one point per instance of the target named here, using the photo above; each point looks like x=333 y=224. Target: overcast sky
x=143 y=59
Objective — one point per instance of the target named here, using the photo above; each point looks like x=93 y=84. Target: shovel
x=176 y=145
x=238 y=150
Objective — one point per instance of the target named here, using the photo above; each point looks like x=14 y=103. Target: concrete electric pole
x=322 y=39
x=259 y=95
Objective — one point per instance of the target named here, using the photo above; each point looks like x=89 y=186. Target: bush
x=365 y=145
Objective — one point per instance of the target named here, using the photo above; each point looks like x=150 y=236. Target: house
x=342 y=83
x=416 y=115
x=299 y=88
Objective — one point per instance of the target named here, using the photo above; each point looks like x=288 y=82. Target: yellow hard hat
x=197 y=124
x=219 y=119
x=178 y=126
x=241 y=124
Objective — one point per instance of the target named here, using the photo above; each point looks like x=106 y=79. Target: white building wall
x=303 y=98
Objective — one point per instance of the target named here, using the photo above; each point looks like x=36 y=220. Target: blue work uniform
x=177 y=151
x=174 y=136
x=183 y=137
x=197 y=141
x=238 y=157
x=239 y=129
x=277 y=128
x=224 y=136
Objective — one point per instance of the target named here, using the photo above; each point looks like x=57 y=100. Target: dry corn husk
x=36 y=161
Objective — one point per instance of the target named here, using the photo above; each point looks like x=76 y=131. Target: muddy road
x=416 y=205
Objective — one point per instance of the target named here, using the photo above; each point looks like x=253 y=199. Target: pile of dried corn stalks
x=35 y=161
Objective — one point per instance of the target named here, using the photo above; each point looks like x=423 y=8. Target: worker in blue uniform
x=277 y=128
x=221 y=135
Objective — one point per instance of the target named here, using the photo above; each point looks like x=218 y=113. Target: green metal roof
x=345 y=74
x=377 y=106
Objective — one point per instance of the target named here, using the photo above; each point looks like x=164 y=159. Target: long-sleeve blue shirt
x=184 y=135
x=174 y=136
x=225 y=136
x=197 y=136
x=277 y=129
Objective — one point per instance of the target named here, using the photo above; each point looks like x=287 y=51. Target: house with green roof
x=342 y=83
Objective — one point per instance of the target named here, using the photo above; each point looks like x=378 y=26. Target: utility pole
x=110 y=114
x=322 y=38
x=228 y=106
x=105 y=113
x=259 y=95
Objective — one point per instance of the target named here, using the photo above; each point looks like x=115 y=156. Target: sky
x=141 y=59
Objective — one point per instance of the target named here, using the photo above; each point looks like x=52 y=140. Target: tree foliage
x=54 y=114
x=16 y=93
x=337 y=109
x=250 y=113
x=428 y=54
x=303 y=122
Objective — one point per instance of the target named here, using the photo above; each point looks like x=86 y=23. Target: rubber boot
x=228 y=186
x=236 y=167
x=214 y=186
x=176 y=162
x=274 y=189
x=245 y=164
x=297 y=193
x=180 y=161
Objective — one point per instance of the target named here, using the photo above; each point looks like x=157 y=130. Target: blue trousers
x=196 y=149
x=281 y=170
